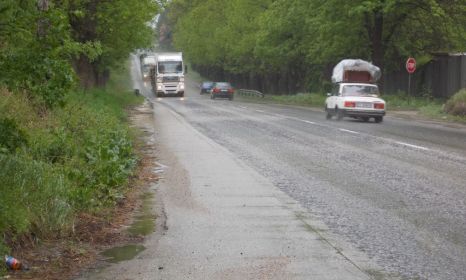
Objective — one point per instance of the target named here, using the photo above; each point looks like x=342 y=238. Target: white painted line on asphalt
x=346 y=130
x=243 y=107
x=413 y=146
x=349 y=131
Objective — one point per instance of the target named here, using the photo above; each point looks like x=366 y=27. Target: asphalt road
x=396 y=190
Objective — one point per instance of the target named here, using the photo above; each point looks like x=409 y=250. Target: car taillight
x=350 y=104
x=379 y=106
x=231 y=90
x=216 y=90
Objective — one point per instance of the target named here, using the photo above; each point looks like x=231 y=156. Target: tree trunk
x=377 y=39
x=86 y=72
x=42 y=23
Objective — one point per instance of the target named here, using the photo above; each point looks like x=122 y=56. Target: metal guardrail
x=249 y=92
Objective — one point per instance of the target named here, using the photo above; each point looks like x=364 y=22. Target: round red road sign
x=411 y=65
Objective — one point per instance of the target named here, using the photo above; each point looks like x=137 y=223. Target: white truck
x=355 y=92
x=167 y=77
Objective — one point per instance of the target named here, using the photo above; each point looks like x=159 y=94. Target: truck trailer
x=148 y=61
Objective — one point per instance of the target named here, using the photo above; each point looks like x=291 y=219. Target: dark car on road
x=222 y=90
x=206 y=87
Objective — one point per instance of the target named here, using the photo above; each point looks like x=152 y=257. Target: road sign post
x=410 y=67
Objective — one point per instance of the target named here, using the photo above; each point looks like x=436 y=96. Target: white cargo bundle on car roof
x=355 y=70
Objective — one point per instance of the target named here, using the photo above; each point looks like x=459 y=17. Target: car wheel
x=339 y=114
x=378 y=119
x=328 y=116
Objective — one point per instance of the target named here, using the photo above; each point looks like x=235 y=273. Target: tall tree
x=389 y=28
x=298 y=41
x=35 y=50
x=118 y=26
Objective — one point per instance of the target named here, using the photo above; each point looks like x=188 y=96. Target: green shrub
x=456 y=105
x=11 y=136
x=102 y=171
x=34 y=197
x=68 y=159
x=102 y=151
x=87 y=140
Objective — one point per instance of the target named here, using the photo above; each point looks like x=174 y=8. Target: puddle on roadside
x=144 y=224
x=144 y=221
x=124 y=253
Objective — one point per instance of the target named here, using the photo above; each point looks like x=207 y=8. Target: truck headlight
x=159 y=87
x=182 y=86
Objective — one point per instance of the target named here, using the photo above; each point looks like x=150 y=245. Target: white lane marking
x=349 y=131
x=412 y=146
x=345 y=130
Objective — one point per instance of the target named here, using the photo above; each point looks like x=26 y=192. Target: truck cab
x=168 y=75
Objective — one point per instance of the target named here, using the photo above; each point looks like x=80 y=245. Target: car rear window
x=359 y=90
x=223 y=85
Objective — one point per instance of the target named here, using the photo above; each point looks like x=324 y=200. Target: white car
x=356 y=100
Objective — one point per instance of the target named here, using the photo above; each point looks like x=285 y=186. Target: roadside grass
x=71 y=159
x=402 y=102
x=302 y=99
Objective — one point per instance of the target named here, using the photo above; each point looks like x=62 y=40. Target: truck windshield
x=360 y=90
x=166 y=67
